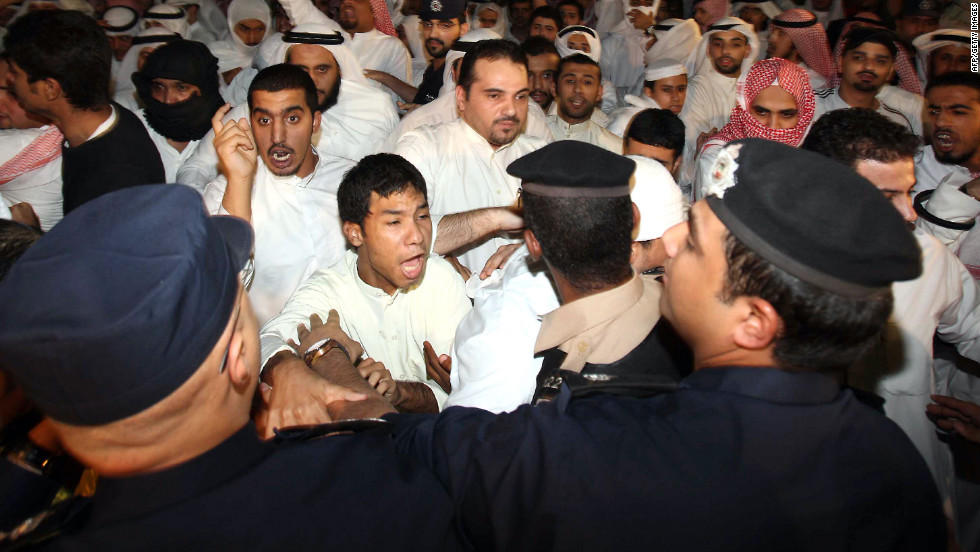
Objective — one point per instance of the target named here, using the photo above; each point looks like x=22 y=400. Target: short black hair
x=957 y=78
x=539 y=45
x=381 y=173
x=657 y=127
x=575 y=4
x=876 y=35
x=67 y=46
x=512 y=2
x=821 y=330
x=490 y=50
x=15 y=239
x=550 y=13
x=587 y=240
x=580 y=59
x=283 y=76
x=857 y=134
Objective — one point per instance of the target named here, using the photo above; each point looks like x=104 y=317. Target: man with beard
x=943 y=51
x=355 y=117
x=464 y=161
x=274 y=178
x=519 y=15
x=59 y=69
x=867 y=65
x=724 y=52
x=373 y=39
x=542 y=67
x=578 y=89
x=443 y=22
x=179 y=87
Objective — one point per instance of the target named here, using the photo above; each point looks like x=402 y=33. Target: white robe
x=172 y=159
x=589 y=132
x=297 y=229
x=464 y=173
x=390 y=328
x=709 y=103
x=507 y=308
x=898 y=105
x=620 y=119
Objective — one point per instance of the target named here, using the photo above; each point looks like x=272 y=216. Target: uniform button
x=583 y=346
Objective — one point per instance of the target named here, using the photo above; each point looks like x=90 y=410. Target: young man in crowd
x=578 y=92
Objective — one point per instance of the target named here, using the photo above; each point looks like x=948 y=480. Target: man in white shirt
x=289 y=195
x=940 y=52
x=664 y=87
x=373 y=39
x=944 y=300
x=578 y=91
x=178 y=84
x=726 y=50
x=464 y=162
x=509 y=305
x=867 y=64
x=121 y=23
x=355 y=117
x=397 y=301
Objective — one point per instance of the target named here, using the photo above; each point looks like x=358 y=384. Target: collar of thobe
x=378 y=294
x=581 y=315
x=642 y=101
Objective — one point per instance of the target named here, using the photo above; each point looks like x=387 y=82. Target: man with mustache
x=867 y=65
x=393 y=298
x=578 y=91
x=443 y=22
x=542 y=69
x=726 y=50
x=464 y=161
x=274 y=178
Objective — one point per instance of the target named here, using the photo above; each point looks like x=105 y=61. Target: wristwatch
x=321 y=348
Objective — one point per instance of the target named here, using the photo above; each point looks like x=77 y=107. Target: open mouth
x=412 y=268
x=576 y=103
x=943 y=141
x=280 y=158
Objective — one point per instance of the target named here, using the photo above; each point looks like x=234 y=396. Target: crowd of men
x=450 y=275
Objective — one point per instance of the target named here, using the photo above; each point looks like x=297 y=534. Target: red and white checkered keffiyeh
x=382 y=19
x=41 y=151
x=716 y=9
x=810 y=42
x=788 y=76
x=907 y=79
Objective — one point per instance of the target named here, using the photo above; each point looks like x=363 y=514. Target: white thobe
x=620 y=119
x=374 y=49
x=902 y=113
x=172 y=159
x=588 y=132
x=390 y=328
x=200 y=33
x=948 y=203
x=622 y=60
x=353 y=128
x=463 y=173
x=494 y=367
x=943 y=301
x=297 y=229
x=40 y=187
x=443 y=110
x=709 y=103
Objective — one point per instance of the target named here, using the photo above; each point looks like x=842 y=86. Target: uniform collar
x=133 y=497
x=766 y=383
x=567 y=321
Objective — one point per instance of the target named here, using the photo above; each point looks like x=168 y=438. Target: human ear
x=760 y=324
x=235 y=363
x=354 y=233
x=533 y=245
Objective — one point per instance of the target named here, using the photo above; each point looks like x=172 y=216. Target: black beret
x=121 y=302
x=813 y=217
x=441 y=9
x=569 y=168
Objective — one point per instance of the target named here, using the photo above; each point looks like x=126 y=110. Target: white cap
x=657 y=197
x=663 y=68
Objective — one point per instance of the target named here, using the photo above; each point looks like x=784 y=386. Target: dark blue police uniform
x=343 y=492
x=735 y=459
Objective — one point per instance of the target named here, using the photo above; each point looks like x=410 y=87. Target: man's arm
x=461 y=229
x=949 y=202
x=238 y=160
x=301 y=12
x=404 y=90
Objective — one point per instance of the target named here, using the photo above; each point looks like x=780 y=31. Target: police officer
x=146 y=359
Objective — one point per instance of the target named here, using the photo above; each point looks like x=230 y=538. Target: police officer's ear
x=758 y=325
x=533 y=246
x=236 y=363
x=354 y=233
x=636 y=220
